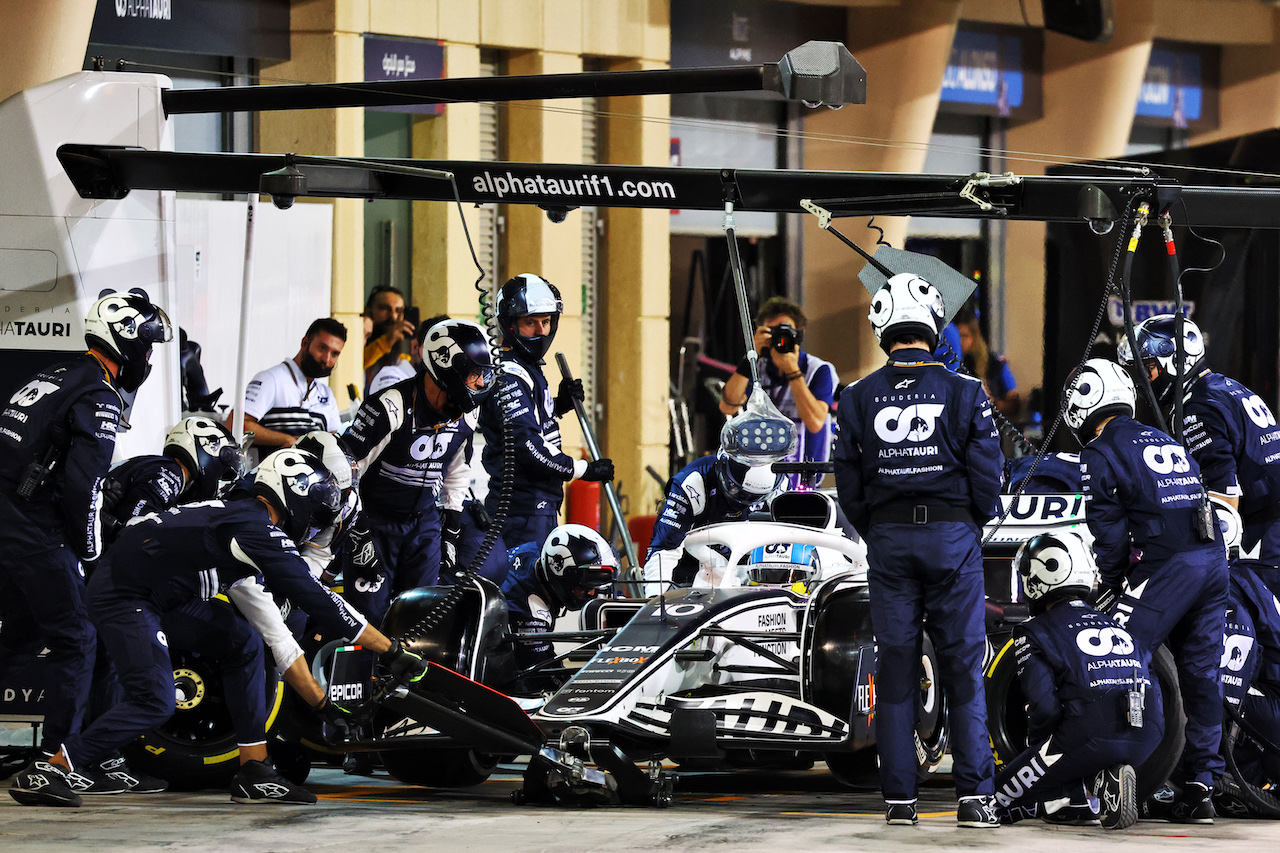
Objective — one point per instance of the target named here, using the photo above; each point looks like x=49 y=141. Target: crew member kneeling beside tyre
x=1094 y=708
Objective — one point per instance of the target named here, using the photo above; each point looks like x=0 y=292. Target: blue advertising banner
x=985 y=70
x=1173 y=88
x=391 y=58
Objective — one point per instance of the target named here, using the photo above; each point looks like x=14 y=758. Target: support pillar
x=1090 y=94
x=323 y=56
x=905 y=54
x=42 y=41
x=635 y=302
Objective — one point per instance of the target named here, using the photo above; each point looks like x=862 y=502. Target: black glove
x=406 y=667
x=570 y=390
x=336 y=722
x=451 y=535
x=333 y=714
x=1106 y=595
x=598 y=470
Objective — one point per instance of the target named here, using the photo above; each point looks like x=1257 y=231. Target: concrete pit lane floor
x=778 y=812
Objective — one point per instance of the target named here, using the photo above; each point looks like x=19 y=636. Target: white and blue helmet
x=1053 y=566
x=1096 y=390
x=907 y=304
x=783 y=565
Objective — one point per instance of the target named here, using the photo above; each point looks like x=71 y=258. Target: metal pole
x=610 y=492
x=740 y=287
x=246 y=286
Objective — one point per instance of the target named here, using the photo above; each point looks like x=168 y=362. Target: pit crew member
x=1144 y=496
x=574 y=565
x=918 y=470
x=409 y=442
x=288 y=400
x=1094 y=709
x=1230 y=430
x=57 y=435
x=165 y=560
x=529 y=309
x=709 y=490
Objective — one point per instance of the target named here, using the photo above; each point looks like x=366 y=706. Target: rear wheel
x=1240 y=784
x=1007 y=716
x=196 y=748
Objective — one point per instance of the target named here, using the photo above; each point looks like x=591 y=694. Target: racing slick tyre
x=291 y=760
x=467 y=640
x=197 y=747
x=439 y=768
x=1007 y=716
x=860 y=769
x=1236 y=794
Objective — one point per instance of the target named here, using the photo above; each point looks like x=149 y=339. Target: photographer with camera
x=800 y=384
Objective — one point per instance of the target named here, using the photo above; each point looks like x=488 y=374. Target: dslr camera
x=785 y=337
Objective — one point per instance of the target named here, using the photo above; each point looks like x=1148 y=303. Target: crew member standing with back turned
x=917 y=467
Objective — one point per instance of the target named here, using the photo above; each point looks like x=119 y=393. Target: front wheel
x=860 y=769
x=439 y=768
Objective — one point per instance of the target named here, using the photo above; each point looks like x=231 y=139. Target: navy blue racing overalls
x=409 y=456
x=530 y=610
x=1143 y=491
x=1234 y=438
x=211 y=628
x=1250 y=665
x=523 y=402
x=63 y=419
x=695 y=499
x=918 y=469
x=161 y=563
x=1077 y=668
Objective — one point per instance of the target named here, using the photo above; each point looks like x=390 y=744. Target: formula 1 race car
x=768 y=661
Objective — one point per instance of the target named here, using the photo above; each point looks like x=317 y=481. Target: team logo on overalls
x=909 y=423
x=1166 y=459
x=28 y=394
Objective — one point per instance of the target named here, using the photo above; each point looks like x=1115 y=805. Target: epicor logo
x=1258 y=411
x=910 y=423
x=1166 y=459
x=1101 y=642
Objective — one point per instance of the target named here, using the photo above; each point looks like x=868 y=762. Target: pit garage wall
x=536 y=36
x=1089 y=96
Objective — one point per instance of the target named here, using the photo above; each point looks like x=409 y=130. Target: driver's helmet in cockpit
x=794 y=567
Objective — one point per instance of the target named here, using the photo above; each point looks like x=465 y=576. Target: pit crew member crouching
x=707 y=491
x=572 y=567
x=1093 y=707
x=164 y=560
x=1144 y=496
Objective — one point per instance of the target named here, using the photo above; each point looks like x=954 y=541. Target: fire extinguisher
x=583 y=504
